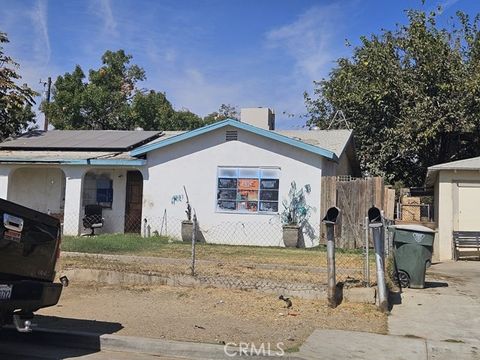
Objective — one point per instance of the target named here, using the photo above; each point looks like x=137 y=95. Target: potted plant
x=187 y=225
x=295 y=214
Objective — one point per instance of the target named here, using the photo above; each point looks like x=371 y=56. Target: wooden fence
x=354 y=198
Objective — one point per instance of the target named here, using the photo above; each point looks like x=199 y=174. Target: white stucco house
x=457 y=197
x=236 y=174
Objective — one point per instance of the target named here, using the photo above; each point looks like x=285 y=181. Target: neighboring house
x=457 y=197
x=236 y=175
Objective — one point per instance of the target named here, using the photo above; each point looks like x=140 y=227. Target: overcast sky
x=246 y=53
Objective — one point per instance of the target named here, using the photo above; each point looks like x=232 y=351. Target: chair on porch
x=93 y=218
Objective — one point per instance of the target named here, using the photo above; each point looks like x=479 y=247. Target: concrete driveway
x=441 y=322
x=447 y=310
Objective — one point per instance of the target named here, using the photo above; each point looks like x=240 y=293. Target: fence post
x=330 y=220
x=145 y=223
x=367 y=253
x=385 y=236
x=376 y=224
x=194 y=240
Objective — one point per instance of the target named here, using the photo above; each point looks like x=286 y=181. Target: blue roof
x=239 y=125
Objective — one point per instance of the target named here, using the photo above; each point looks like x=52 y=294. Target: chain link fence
x=243 y=254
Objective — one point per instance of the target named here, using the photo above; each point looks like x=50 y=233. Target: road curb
x=158 y=347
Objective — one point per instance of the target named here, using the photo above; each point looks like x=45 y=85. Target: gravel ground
x=202 y=314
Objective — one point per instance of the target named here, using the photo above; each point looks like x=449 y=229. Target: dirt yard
x=202 y=314
x=225 y=272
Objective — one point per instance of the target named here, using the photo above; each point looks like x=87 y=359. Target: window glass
x=248 y=173
x=227 y=172
x=98 y=190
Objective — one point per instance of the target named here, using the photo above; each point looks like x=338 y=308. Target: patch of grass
x=113 y=244
x=131 y=244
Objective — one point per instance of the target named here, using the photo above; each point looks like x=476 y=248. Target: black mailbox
x=374 y=217
x=332 y=216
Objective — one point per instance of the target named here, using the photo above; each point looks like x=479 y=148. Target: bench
x=465 y=240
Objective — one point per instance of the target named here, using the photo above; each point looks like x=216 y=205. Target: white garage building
x=457 y=199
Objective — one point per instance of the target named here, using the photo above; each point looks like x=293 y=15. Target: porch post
x=73 y=200
x=4 y=173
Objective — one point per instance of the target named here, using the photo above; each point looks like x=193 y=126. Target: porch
x=64 y=191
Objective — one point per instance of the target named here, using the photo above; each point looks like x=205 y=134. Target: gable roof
x=239 y=125
x=466 y=164
x=80 y=140
x=333 y=140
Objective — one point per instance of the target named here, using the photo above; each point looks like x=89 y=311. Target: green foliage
x=152 y=111
x=16 y=101
x=101 y=103
x=186 y=120
x=114 y=244
x=296 y=211
x=110 y=99
x=226 y=111
x=412 y=97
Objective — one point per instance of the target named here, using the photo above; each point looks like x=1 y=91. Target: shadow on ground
x=89 y=326
x=435 y=284
x=73 y=337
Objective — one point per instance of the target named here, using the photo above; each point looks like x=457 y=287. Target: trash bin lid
x=413 y=234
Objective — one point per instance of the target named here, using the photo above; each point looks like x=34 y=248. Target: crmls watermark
x=252 y=349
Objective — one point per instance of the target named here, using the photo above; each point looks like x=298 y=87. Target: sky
x=203 y=53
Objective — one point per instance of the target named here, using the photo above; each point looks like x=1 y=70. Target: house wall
x=42 y=189
x=446 y=196
x=344 y=166
x=194 y=163
x=59 y=189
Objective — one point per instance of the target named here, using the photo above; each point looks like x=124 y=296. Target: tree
x=412 y=97
x=152 y=111
x=110 y=99
x=16 y=101
x=226 y=111
x=66 y=110
x=186 y=120
x=104 y=102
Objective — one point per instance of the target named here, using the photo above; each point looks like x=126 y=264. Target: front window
x=98 y=190
x=247 y=189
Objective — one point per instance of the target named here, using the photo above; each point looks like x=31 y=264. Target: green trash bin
x=412 y=249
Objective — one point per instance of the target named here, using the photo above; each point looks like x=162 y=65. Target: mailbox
x=332 y=216
x=374 y=217
x=330 y=220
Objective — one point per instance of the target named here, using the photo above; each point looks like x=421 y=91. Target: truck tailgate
x=29 y=243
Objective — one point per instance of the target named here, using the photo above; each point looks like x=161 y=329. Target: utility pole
x=47 y=83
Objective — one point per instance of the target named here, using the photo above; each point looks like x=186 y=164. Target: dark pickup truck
x=29 y=250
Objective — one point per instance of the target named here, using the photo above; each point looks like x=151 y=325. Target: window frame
x=97 y=191
x=260 y=176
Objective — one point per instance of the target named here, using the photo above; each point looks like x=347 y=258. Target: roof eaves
x=230 y=122
x=93 y=162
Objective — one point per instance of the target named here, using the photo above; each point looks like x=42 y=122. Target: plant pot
x=187 y=230
x=291 y=235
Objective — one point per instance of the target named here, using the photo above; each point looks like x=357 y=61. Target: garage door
x=469 y=207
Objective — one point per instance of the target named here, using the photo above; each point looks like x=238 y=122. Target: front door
x=133 y=202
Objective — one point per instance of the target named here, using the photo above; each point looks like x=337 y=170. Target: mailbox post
x=330 y=220
x=375 y=222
